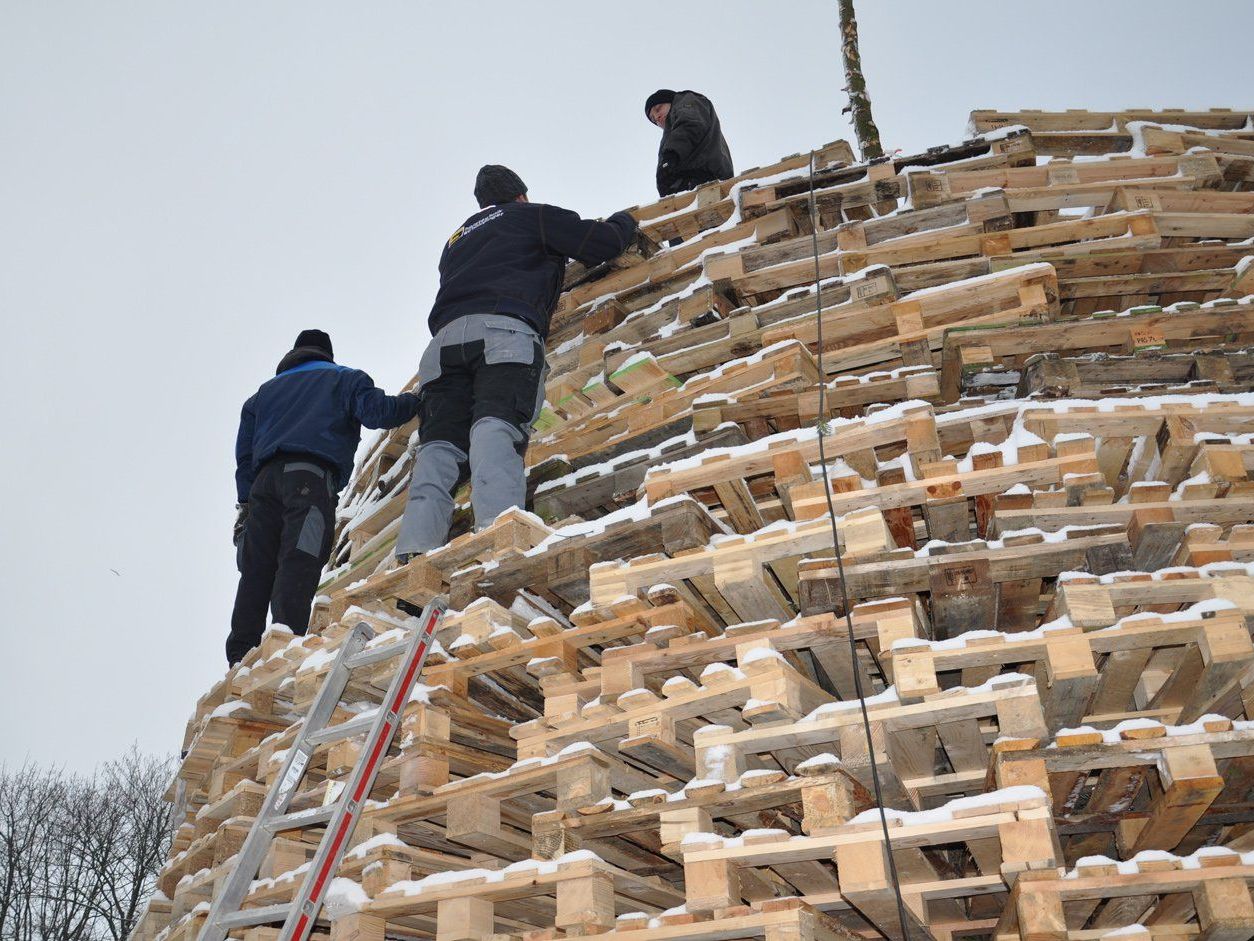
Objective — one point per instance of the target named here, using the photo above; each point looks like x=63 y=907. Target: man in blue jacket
x=293 y=455
x=483 y=372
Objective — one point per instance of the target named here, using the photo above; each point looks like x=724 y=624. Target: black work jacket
x=511 y=259
x=693 y=150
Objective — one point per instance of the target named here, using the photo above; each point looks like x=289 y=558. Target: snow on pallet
x=999 y=836
x=1062 y=184
x=1073 y=132
x=1139 y=785
x=1174 y=667
x=640 y=717
x=1153 y=893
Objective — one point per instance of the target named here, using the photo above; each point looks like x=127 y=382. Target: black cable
x=840 y=562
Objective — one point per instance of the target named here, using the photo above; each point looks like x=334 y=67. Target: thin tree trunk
x=855 y=85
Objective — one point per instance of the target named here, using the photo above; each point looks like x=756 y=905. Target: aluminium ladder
x=340 y=815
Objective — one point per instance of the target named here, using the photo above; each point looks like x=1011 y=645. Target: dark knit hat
x=496 y=184
x=663 y=96
x=318 y=339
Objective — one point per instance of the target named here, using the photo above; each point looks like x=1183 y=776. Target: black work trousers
x=286 y=542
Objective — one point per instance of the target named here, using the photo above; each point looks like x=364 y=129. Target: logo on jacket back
x=467 y=229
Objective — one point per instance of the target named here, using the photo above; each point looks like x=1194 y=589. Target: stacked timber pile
x=641 y=718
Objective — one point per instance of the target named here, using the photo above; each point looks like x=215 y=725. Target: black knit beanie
x=496 y=184
x=663 y=96
x=318 y=339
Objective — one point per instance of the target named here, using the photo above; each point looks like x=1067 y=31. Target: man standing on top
x=483 y=372
x=293 y=455
x=693 y=150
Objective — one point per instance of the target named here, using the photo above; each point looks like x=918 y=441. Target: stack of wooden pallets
x=641 y=719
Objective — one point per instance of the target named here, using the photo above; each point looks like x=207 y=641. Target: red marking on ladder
x=341 y=834
x=379 y=745
x=408 y=684
x=367 y=772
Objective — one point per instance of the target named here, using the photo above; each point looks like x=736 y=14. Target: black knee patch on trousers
x=468 y=389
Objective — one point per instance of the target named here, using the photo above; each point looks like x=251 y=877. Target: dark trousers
x=482 y=388
x=286 y=542
x=500 y=375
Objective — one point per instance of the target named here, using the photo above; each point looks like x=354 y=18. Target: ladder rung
x=255 y=916
x=334 y=733
x=372 y=655
x=312 y=817
x=224 y=912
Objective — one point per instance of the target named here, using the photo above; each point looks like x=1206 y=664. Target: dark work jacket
x=510 y=259
x=314 y=408
x=693 y=150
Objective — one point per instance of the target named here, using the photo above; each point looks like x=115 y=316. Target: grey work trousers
x=482 y=387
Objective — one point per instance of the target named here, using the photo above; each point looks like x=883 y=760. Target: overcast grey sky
x=184 y=186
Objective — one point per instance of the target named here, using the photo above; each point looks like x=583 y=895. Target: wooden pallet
x=1203 y=895
x=1095 y=132
x=928 y=749
x=661 y=722
x=1139 y=785
x=859 y=192
x=1096 y=376
x=775 y=920
x=648 y=829
x=1092 y=602
x=732 y=576
x=1170 y=667
x=576 y=892
x=598 y=489
x=1062 y=184
x=996 y=838
x=651 y=400
x=558 y=571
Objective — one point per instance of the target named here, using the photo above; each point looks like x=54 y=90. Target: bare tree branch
x=79 y=855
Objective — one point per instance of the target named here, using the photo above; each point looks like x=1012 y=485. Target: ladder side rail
x=326 y=862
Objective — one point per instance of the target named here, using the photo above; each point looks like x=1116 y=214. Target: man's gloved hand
x=241 y=514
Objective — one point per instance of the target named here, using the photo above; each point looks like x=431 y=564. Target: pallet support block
x=465 y=918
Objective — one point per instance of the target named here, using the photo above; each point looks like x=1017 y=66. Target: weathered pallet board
x=1207 y=892
x=1094 y=132
x=1003 y=834
x=1139 y=786
x=1171 y=667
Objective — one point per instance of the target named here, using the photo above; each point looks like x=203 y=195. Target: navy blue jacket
x=511 y=259
x=315 y=408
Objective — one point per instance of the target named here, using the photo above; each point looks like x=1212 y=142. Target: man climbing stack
x=693 y=150
x=483 y=373
x=294 y=453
